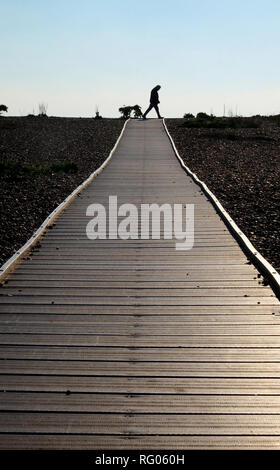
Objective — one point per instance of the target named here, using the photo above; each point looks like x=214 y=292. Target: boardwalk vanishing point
x=130 y=344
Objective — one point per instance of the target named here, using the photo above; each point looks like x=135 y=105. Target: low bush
x=16 y=171
x=137 y=111
x=127 y=110
x=65 y=167
x=222 y=123
x=188 y=116
x=3 y=107
x=204 y=116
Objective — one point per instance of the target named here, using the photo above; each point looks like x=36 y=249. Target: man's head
x=158 y=87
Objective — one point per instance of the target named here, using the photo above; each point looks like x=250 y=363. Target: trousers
x=152 y=105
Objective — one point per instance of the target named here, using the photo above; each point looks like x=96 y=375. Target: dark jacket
x=154 y=96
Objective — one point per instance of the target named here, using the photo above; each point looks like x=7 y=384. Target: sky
x=74 y=55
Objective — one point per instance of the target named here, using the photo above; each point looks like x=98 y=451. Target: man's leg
x=157 y=110
x=148 y=110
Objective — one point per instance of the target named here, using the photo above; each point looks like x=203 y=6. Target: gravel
x=242 y=168
x=25 y=203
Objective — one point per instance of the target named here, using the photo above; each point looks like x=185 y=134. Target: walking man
x=154 y=101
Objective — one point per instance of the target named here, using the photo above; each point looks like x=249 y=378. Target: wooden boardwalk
x=131 y=344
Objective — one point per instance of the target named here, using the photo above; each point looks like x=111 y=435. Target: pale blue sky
x=76 y=54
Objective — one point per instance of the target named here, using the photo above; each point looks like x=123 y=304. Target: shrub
x=188 y=116
x=127 y=110
x=204 y=116
x=65 y=167
x=16 y=171
x=13 y=170
x=137 y=111
x=3 y=107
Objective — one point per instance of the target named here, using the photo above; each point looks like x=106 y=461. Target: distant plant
x=3 y=107
x=188 y=116
x=204 y=116
x=137 y=111
x=127 y=110
x=43 y=107
x=97 y=115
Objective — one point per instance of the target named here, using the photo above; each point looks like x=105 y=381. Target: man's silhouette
x=154 y=101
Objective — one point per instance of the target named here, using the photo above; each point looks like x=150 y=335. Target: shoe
x=144 y=118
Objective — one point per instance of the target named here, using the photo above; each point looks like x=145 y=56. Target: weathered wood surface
x=130 y=343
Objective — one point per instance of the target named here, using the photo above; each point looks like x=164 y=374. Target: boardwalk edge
x=260 y=262
x=10 y=264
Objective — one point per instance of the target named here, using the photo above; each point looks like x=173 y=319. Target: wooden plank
x=201 y=240
x=87 y=262
x=234 y=355
x=140 y=300
x=139 y=385
x=139 y=274
x=206 y=253
x=145 y=320
x=82 y=291
x=140 y=340
x=130 y=442
x=146 y=330
x=220 y=270
x=143 y=309
x=167 y=249
x=111 y=283
x=133 y=403
x=141 y=369
x=159 y=424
